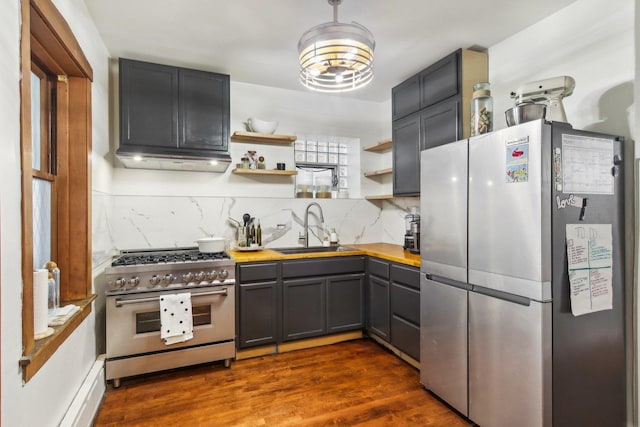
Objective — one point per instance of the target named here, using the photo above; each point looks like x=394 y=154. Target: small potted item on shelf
x=323 y=188
x=253 y=161
x=244 y=162
x=304 y=187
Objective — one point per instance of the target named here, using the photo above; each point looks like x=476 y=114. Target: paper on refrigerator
x=589 y=254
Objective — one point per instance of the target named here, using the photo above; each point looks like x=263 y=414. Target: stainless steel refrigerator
x=498 y=341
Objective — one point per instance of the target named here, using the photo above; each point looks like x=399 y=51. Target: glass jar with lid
x=481 y=109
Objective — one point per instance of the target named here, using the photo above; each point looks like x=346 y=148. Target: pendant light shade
x=336 y=57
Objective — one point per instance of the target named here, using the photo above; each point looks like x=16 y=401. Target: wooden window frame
x=47 y=41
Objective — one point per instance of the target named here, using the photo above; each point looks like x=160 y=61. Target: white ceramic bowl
x=262 y=126
x=211 y=244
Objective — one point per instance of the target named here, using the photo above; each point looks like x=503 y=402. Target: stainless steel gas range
x=137 y=280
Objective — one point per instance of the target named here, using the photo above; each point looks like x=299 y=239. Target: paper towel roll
x=40 y=301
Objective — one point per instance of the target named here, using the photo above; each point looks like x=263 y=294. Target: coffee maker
x=412 y=231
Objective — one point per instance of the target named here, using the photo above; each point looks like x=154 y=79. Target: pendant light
x=336 y=57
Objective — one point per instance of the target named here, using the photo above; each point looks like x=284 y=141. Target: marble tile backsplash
x=122 y=222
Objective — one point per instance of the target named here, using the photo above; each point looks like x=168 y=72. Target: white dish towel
x=176 y=323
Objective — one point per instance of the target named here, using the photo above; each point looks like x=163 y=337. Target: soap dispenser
x=333 y=237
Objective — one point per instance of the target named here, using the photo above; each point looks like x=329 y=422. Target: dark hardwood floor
x=346 y=384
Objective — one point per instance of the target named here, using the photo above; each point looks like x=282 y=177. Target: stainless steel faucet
x=305 y=237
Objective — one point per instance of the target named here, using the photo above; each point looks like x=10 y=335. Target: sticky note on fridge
x=590 y=261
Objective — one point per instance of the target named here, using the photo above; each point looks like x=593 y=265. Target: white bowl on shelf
x=261 y=126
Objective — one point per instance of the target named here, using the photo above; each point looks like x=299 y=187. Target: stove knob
x=168 y=279
x=120 y=282
x=155 y=280
x=211 y=276
x=200 y=276
x=134 y=281
x=187 y=277
x=223 y=274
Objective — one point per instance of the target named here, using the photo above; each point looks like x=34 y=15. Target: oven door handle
x=121 y=302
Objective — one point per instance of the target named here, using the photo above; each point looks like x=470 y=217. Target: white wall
x=590 y=40
x=45 y=398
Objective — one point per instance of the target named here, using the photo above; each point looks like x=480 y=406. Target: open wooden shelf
x=380 y=172
x=263 y=138
x=380 y=146
x=380 y=197
x=264 y=172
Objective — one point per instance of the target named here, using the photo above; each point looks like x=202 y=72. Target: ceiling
x=255 y=41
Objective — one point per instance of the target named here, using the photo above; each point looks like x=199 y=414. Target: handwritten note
x=590 y=256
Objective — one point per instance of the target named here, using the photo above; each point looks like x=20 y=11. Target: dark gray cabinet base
x=304 y=308
x=257 y=305
x=284 y=301
x=394 y=305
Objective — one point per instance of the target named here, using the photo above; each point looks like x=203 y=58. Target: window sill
x=46 y=347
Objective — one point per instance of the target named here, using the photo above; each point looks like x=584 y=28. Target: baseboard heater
x=86 y=402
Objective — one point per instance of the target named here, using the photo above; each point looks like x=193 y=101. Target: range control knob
x=168 y=279
x=120 y=282
x=187 y=277
x=212 y=275
x=223 y=274
x=155 y=280
x=134 y=281
x=200 y=276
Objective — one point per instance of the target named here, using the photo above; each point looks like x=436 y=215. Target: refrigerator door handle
x=450 y=282
x=502 y=295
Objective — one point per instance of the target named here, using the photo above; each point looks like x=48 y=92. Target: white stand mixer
x=548 y=91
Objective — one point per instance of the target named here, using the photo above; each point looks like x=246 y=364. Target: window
x=315 y=181
x=322 y=166
x=42 y=161
x=56 y=171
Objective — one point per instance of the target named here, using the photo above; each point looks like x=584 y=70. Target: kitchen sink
x=313 y=249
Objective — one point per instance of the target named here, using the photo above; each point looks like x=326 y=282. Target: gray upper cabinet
x=440 y=80
x=167 y=110
x=148 y=105
x=406 y=155
x=406 y=98
x=430 y=109
x=204 y=110
x=440 y=124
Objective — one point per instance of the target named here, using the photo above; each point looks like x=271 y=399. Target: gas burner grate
x=168 y=257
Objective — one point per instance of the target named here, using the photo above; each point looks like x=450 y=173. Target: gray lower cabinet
x=393 y=296
x=289 y=300
x=322 y=296
x=378 y=298
x=304 y=308
x=345 y=303
x=405 y=309
x=257 y=309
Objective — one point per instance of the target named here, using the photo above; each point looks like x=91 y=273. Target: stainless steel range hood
x=217 y=163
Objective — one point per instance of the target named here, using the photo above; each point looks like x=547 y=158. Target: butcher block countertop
x=386 y=251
